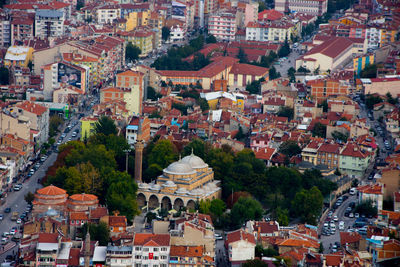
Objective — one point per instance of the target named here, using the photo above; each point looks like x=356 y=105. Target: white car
x=335 y=218
x=332 y=225
x=218 y=237
x=19 y=221
x=341 y=225
x=13 y=232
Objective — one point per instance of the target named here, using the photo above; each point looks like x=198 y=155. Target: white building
x=241 y=246
x=49 y=23
x=151 y=250
x=223 y=26
x=373 y=193
x=312 y=7
x=177 y=34
x=270 y=31
x=373 y=35
x=5 y=34
x=107 y=14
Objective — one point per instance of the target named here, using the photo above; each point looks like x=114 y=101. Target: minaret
x=139 y=146
x=210 y=126
x=87 y=248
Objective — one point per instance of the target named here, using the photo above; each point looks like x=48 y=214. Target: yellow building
x=359 y=63
x=388 y=36
x=91 y=62
x=136 y=19
x=18 y=56
x=140 y=37
x=182 y=184
x=87 y=127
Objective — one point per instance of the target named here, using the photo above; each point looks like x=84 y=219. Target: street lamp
x=126 y=159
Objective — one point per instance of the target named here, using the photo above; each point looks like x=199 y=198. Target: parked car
x=7 y=210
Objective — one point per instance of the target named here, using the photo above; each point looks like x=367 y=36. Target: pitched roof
x=329 y=148
x=332 y=47
x=349 y=237
x=83 y=197
x=247 y=69
x=32 y=107
x=375 y=189
x=186 y=251
x=117 y=221
x=79 y=215
x=240 y=235
x=144 y=239
x=292 y=242
x=48 y=238
x=266 y=227
x=51 y=190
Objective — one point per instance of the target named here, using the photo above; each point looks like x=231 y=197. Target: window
x=145 y=249
x=163 y=249
x=72 y=221
x=155 y=249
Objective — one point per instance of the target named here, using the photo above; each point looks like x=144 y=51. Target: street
x=15 y=200
x=287 y=63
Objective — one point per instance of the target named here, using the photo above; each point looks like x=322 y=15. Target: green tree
x=324 y=106
x=98 y=232
x=121 y=195
x=246 y=209
x=319 y=129
x=54 y=122
x=4 y=76
x=163 y=153
x=211 y=39
x=307 y=204
x=261 y=6
x=132 y=52
x=273 y=74
x=290 y=148
x=204 y=206
x=152 y=93
x=165 y=32
x=340 y=136
x=282 y=216
x=366 y=208
x=369 y=71
x=80 y=4
x=284 y=51
x=291 y=73
x=390 y=99
x=105 y=125
x=255 y=263
x=203 y=104
x=371 y=100
x=217 y=207
x=287 y=112
x=29 y=197
x=301 y=69
x=242 y=56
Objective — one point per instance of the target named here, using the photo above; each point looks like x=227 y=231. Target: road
x=286 y=64
x=15 y=200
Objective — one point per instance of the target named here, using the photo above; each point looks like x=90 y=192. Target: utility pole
x=126 y=159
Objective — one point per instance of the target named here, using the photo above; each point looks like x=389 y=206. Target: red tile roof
x=329 y=148
x=333 y=260
x=247 y=69
x=332 y=47
x=240 y=235
x=32 y=107
x=186 y=251
x=48 y=238
x=375 y=189
x=144 y=239
x=353 y=150
x=78 y=216
x=51 y=190
x=83 y=197
x=74 y=257
x=349 y=237
x=117 y=221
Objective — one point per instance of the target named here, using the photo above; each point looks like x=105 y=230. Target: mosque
x=182 y=184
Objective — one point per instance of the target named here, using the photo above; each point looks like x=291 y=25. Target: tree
x=132 y=52
x=246 y=208
x=204 y=206
x=4 y=76
x=29 y=197
x=261 y=6
x=163 y=153
x=391 y=100
x=324 y=106
x=105 y=125
x=284 y=50
x=285 y=111
x=371 y=100
x=152 y=93
x=165 y=32
x=354 y=183
x=80 y=4
x=54 y=122
x=211 y=39
x=290 y=148
x=366 y=208
x=255 y=86
x=282 y=216
x=291 y=73
x=319 y=129
x=255 y=263
x=321 y=248
x=217 y=207
x=307 y=204
x=98 y=232
x=203 y=104
x=240 y=135
x=340 y=136
x=242 y=56
x=369 y=71
x=273 y=74
x=303 y=70
x=316 y=71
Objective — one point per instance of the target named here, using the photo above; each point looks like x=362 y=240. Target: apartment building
x=353 y=160
x=132 y=130
x=18 y=56
x=151 y=249
x=49 y=23
x=108 y=13
x=5 y=35
x=22 y=26
x=223 y=25
x=271 y=31
x=312 y=7
x=328 y=154
x=324 y=88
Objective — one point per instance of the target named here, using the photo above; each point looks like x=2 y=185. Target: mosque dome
x=194 y=161
x=179 y=168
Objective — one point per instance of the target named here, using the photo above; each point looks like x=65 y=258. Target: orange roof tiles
x=117 y=221
x=291 y=242
x=239 y=235
x=51 y=190
x=349 y=237
x=78 y=216
x=144 y=239
x=83 y=197
x=48 y=238
x=186 y=251
x=32 y=107
x=376 y=189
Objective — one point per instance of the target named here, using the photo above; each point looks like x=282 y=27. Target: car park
x=341 y=225
x=7 y=210
x=37 y=165
x=351 y=215
x=335 y=218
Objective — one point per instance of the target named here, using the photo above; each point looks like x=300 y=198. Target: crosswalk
x=7 y=247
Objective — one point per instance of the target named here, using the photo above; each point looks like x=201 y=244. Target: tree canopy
x=319 y=129
x=132 y=52
x=369 y=71
x=4 y=76
x=165 y=32
x=105 y=125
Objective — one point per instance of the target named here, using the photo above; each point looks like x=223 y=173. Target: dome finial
x=192 y=151
x=180 y=157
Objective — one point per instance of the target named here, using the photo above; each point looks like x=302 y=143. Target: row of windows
x=149 y=249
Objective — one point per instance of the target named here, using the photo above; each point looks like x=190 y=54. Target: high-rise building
x=312 y=7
